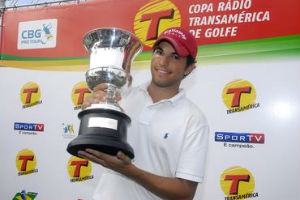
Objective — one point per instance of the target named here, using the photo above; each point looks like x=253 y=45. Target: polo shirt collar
x=173 y=100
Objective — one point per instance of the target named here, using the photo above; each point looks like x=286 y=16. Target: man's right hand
x=98 y=95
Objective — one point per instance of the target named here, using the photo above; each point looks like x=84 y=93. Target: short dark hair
x=190 y=60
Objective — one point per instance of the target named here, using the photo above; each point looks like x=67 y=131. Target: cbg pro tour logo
x=239 y=95
x=26 y=162
x=37 y=34
x=155 y=17
x=30 y=95
x=238 y=183
x=79 y=92
x=79 y=169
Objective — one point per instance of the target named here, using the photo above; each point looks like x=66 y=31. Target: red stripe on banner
x=210 y=21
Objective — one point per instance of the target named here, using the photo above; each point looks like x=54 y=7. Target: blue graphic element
x=166 y=135
x=47 y=32
x=47 y=28
x=68 y=128
x=23 y=192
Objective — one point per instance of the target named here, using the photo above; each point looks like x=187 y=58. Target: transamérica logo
x=30 y=95
x=238 y=183
x=239 y=95
x=79 y=92
x=79 y=169
x=37 y=34
x=26 y=162
x=28 y=128
x=155 y=17
x=240 y=140
x=23 y=195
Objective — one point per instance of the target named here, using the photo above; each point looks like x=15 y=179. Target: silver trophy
x=104 y=126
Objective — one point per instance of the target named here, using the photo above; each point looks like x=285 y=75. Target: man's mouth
x=163 y=72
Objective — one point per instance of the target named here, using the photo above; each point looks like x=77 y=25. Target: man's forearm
x=164 y=187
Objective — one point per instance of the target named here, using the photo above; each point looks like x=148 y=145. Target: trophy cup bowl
x=103 y=126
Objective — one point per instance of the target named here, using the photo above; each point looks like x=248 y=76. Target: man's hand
x=98 y=95
x=167 y=188
x=120 y=163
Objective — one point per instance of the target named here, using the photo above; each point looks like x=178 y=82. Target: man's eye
x=175 y=56
x=158 y=51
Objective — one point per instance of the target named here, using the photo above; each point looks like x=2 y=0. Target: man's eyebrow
x=175 y=53
x=158 y=47
x=161 y=49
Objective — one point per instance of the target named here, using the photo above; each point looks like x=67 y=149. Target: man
x=168 y=133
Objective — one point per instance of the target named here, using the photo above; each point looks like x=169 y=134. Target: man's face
x=167 y=67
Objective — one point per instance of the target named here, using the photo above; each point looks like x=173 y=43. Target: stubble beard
x=165 y=83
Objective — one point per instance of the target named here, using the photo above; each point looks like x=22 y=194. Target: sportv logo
x=28 y=128
x=239 y=137
x=246 y=140
x=37 y=34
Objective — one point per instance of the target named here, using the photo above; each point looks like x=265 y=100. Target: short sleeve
x=192 y=159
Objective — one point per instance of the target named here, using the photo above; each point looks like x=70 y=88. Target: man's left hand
x=120 y=163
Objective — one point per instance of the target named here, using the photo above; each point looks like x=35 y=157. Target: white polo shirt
x=169 y=139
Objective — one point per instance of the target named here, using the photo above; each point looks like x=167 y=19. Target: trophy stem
x=111 y=94
x=110 y=102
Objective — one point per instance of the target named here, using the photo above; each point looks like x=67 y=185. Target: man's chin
x=162 y=83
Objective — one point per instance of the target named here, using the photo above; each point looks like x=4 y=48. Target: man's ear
x=189 y=69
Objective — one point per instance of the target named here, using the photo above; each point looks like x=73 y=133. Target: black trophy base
x=101 y=138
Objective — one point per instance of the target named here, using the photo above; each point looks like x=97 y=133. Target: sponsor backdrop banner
x=246 y=82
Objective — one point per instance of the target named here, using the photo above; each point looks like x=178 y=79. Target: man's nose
x=164 y=60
